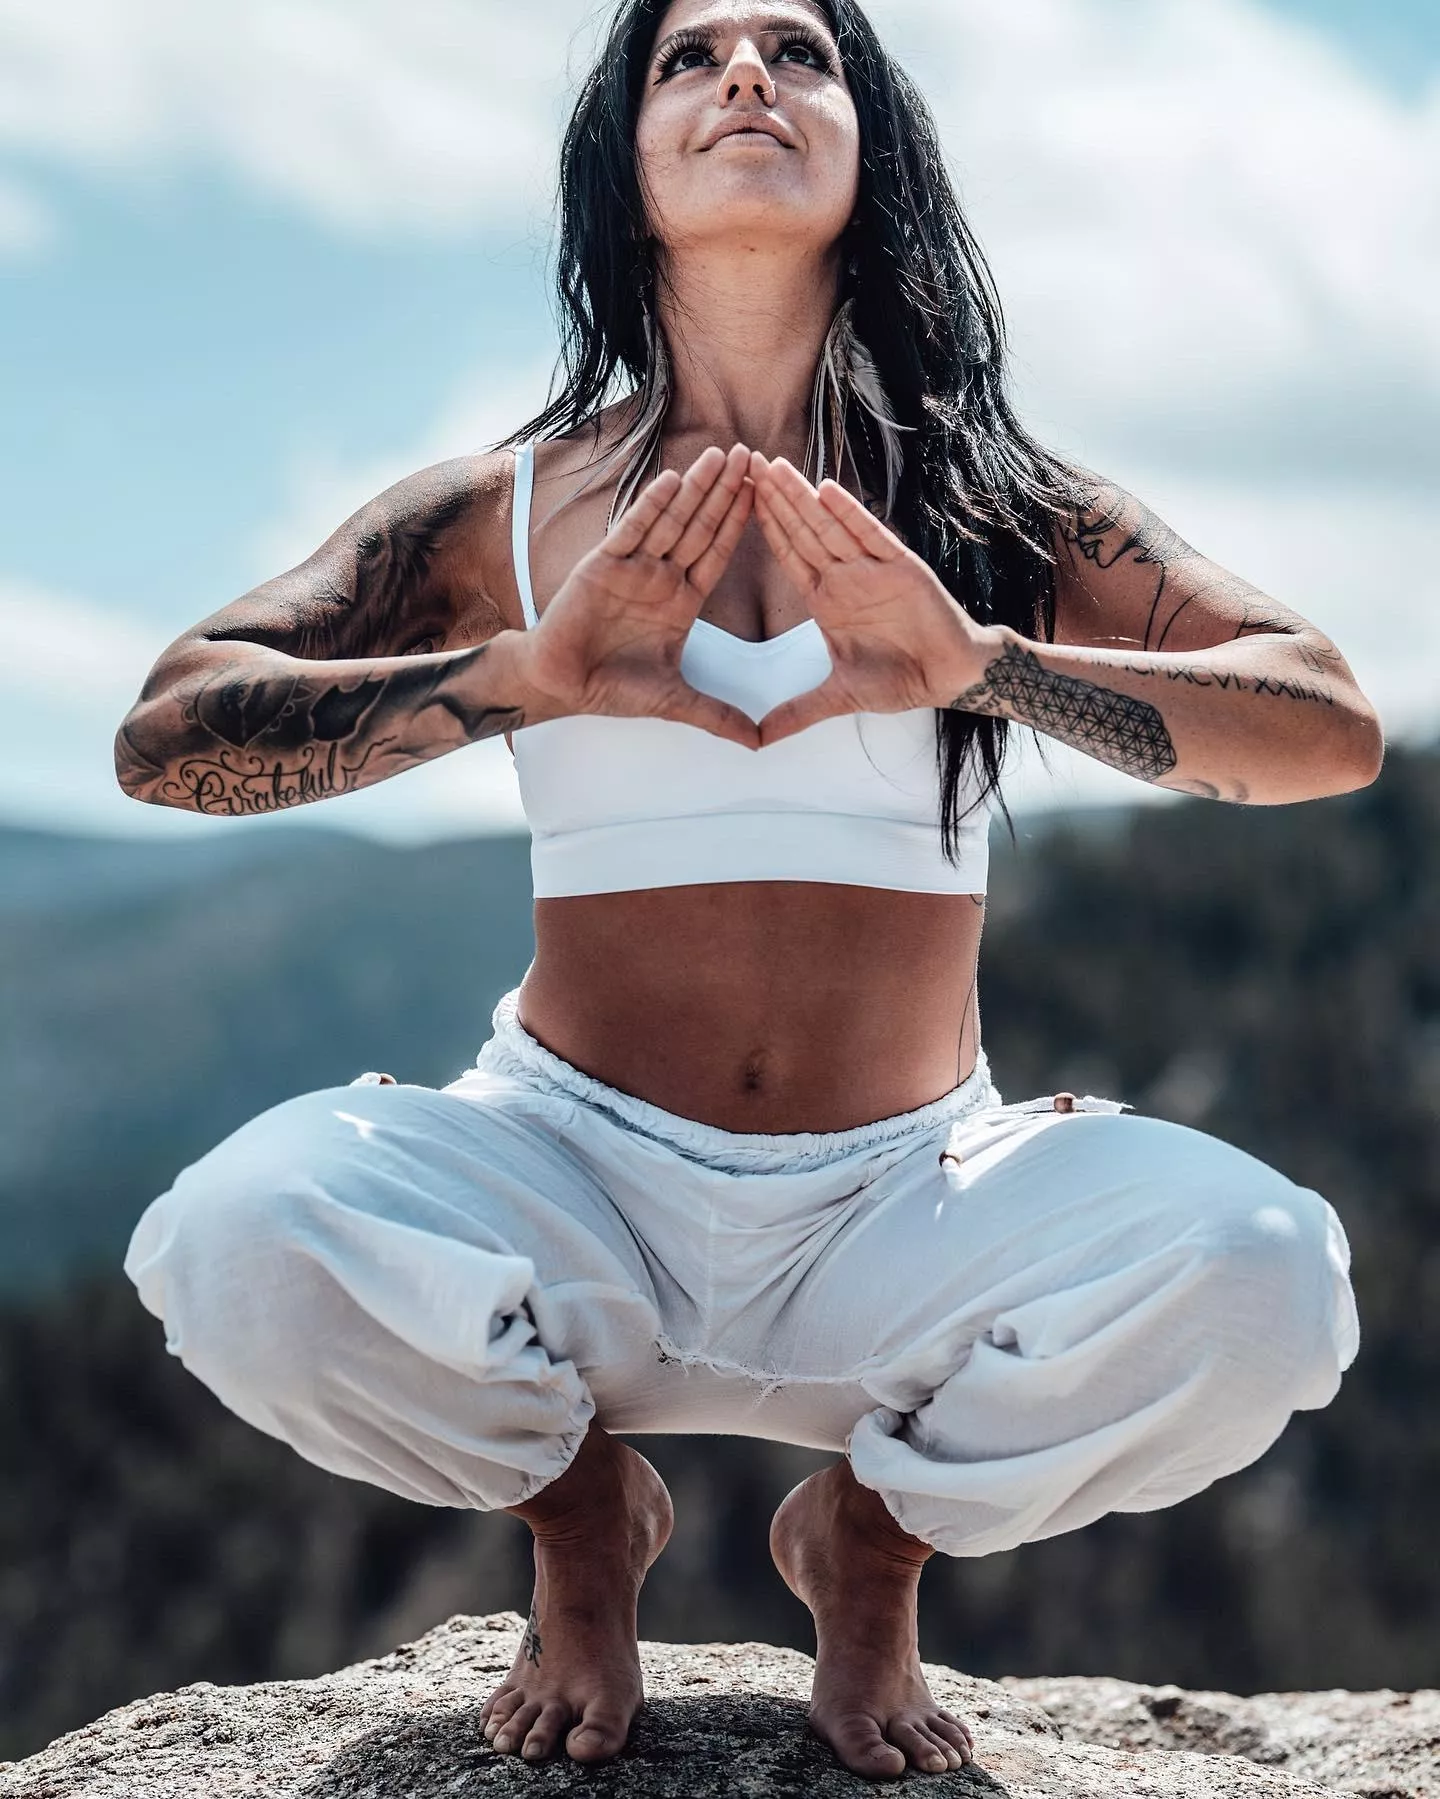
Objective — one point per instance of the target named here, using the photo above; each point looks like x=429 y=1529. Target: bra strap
x=520 y=528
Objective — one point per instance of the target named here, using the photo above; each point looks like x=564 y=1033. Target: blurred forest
x=1272 y=976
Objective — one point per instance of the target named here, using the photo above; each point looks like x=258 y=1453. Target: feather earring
x=847 y=371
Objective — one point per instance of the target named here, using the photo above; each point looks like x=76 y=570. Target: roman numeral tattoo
x=1126 y=733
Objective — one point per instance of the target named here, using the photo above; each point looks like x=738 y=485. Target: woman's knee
x=226 y=1258
x=1273 y=1275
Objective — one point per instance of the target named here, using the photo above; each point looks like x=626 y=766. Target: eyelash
x=688 y=43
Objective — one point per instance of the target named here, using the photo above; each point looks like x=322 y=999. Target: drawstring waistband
x=513 y=1051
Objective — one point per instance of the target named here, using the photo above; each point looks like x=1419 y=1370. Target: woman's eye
x=682 y=59
x=799 y=53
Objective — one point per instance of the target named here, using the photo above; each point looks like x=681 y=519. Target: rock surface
x=1379 y=1745
x=726 y=1719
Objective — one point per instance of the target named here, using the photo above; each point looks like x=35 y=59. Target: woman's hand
x=610 y=640
x=897 y=639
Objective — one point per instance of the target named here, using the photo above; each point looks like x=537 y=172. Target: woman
x=731 y=1159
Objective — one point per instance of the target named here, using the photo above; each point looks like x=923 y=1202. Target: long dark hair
x=979 y=497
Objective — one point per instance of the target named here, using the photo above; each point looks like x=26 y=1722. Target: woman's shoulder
x=572 y=457
x=447 y=526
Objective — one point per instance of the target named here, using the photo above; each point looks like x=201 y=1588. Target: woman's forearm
x=1260 y=721
x=234 y=729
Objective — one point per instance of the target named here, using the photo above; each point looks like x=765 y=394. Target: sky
x=258 y=261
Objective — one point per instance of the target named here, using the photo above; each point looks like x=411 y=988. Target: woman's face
x=747 y=133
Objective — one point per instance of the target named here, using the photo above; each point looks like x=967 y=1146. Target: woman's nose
x=746 y=74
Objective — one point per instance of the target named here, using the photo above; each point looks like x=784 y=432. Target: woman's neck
x=745 y=331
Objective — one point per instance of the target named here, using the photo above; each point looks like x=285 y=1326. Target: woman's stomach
x=767 y=1006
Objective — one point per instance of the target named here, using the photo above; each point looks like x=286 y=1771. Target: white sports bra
x=621 y=803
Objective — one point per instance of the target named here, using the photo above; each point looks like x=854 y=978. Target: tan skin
x=755 y=1006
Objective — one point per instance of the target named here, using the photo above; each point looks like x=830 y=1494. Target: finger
x=669 y=528
x=706 y=572
x=630 y=529
x=860 y=522
x=699 y=534
x=774 y=497
x=806 y=709
x=782 y=546
x=830 y=529
x=686 y=705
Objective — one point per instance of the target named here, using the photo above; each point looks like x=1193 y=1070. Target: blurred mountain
x=1269 y=975
x=154 y=996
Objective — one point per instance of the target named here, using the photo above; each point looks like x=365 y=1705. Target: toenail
x=502 y=1742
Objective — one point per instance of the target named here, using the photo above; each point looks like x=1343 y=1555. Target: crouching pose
x=754 y=602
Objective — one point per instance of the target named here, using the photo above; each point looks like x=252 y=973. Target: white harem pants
x=1011 y=1318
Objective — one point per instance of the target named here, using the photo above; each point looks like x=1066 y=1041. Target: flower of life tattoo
x=1126 y=733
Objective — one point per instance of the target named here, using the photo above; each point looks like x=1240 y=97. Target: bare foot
x=577 y=1674
x=840 y=1551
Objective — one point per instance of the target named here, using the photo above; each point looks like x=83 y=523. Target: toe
x=920 y=1749
x=598 y=1736
x=859 y=1744
x=954 y=1758
x=497 y=1708
x=950 y=1730
x=516 y=1727
x=544 y=1735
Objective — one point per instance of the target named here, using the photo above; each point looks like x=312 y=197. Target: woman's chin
x=745 y=211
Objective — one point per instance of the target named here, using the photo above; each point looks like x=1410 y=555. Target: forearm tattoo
x=1126 y=733
x=1196 y=674
x=245 y=738
x=245 y=741
x=1110 y=527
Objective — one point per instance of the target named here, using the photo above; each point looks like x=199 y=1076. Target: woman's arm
x=357 y=664
x=364 y=660
x=1164 y=665
x=1172 y=669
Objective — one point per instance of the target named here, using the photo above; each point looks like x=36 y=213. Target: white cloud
x=1216 y=237
x=27 y=225
x=394 y=115
x=325 y=489
x=71 y=652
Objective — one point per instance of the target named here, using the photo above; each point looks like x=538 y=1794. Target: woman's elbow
x=137 y=769
x=1359 y=745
